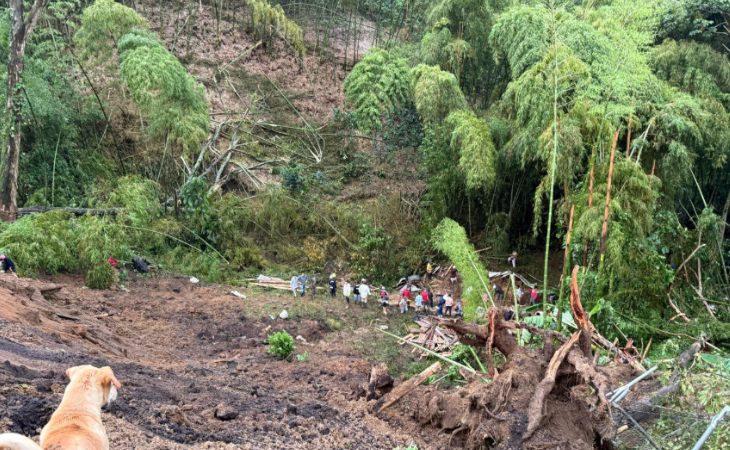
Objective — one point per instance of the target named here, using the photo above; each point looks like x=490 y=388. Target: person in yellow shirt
x=429 y=271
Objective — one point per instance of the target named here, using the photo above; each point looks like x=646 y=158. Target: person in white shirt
x=294 y=284
x=449 y=303
x=364 y=292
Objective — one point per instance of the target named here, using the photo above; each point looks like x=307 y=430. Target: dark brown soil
x=196 y=374
x=181 y=351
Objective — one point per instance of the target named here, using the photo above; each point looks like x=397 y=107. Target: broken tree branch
x=581 y=318
x=674 y=307
x=403 y=389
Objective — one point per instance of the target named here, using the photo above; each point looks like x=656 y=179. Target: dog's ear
x=106 y=376
x=71 y=372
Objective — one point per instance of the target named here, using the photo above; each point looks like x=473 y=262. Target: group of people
x=410 y=296
x=424 y=301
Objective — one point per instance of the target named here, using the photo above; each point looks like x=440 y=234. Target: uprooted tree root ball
x=539 y=399
x=497 y=414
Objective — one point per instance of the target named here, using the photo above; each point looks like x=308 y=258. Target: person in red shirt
x=407 y=294
x=533 y=295
x=113 y=262
x=424 y=294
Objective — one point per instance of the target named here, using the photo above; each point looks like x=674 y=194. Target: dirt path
x=181 y=351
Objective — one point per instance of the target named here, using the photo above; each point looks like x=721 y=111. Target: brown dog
x=76 y=424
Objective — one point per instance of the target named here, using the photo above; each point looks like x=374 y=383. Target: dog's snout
x=112 y=395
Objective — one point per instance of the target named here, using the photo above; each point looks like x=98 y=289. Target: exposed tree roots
x=540 y=398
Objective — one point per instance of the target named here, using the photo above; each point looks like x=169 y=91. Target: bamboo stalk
x=565 y=266
x=590 y=201
x=628 y=137
x=604 y=231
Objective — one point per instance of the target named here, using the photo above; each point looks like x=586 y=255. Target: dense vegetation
x=522 y=122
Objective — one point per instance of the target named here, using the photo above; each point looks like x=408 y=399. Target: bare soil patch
x=183 y=353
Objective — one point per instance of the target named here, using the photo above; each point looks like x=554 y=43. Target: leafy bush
x=98 y=239
x=304 y=357
x=380 y=82
x=292 y=178
x=245 y=257
x=41 y=243
x=281 y=344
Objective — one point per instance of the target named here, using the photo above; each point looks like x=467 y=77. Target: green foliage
x=99 y=239
x=266 y=19
x=403 y=130
x=292 y=178
x=633 y=197
x=462 y=354
x=103 y=24
x=139 y=199
x=373 y=255
x=303 y=357
x=379 y=83
x=162 y=89
x=436 y=93
x=281 y=344
x=693 y=67
x=473 y=140
x=439 y=49
x=41 y=243
x=521 y=36
x=450 y=239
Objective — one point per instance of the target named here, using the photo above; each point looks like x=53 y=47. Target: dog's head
x=100 y=380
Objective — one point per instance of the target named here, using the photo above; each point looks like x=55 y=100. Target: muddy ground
x=196 y=374
x=182 y=352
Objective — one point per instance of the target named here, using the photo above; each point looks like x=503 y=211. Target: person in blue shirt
x=303 y=278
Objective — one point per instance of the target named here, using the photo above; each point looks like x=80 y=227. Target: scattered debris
x=284 y=314
x=238 y=294
x=194 y=280
x=141 y=265
x=431 y=336
x=273 y=283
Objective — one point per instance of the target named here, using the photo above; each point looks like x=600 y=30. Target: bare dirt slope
x=183 y=352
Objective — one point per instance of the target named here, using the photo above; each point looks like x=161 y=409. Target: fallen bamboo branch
x=406 y=387
x=74 y=211
x=674 y=307
x=450 y=361
x=689 y=257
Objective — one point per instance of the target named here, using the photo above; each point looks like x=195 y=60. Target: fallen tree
x=539 y=398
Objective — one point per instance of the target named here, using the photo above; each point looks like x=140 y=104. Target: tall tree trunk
x=19 y=30
x=604 y=231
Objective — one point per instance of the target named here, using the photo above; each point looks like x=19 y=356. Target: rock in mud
x=225 y=412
